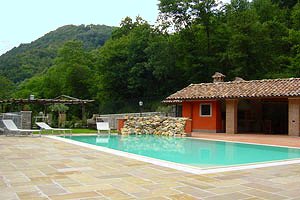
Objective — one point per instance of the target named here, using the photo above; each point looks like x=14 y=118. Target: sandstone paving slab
x=78 y=195
x=230 y=196
x=291 y=186
x=68 y=182
x=293 y=193
x=159 y=186
x=31 y=195
x=8 y=193
x=114 y=194
x=204 y=178
x=24 y=188
x=137 y=180
x=297 y=198
x=263 y=187
x=56 y=170
x=156 y=198
x=231 y=176
x=32 y=173
x=95 y=198
x=233 y=182
x=227 y=189
x=195 y=192
x=88 y=188
x=41 y=180
x=285 y=180
x=156 y=193
x=128 y=187
x=264 y=194
x=182 y=197
x=53 y=189
x=197 y=184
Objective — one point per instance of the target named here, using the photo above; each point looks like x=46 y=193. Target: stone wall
x=156 y=125
x=26 y=119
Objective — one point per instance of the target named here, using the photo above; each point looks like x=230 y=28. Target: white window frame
x=210 y=104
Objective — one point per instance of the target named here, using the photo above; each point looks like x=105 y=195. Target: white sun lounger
x=12 y=129
x=102 y=126
x=45 y=126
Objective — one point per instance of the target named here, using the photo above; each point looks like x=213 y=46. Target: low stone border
x=154 y=125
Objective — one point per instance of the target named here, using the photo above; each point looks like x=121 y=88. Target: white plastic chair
x=45 y=126
x=12 y=128
x=102 y=126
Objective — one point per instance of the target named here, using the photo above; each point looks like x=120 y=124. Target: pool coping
x=183 y=167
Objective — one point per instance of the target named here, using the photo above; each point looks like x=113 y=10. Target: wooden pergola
x=62 y=99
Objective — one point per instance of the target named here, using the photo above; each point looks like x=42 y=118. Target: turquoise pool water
x=189 y=151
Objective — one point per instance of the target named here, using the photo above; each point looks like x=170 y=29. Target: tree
x=295 y=17
x=286 y=3
x=6 y=87
x=122 y=64
x=268 y=11
x=183 y=14
x=61 y=110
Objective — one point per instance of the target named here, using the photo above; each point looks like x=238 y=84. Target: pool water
x=189 y=151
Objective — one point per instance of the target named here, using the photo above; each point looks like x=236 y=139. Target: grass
x=83 y=130
x=75 y=131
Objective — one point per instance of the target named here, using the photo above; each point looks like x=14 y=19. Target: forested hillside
x=28 y=60
x=253 y=40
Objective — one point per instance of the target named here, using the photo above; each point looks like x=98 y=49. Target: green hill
x=30 y=59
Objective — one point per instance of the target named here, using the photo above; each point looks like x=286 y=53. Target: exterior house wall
x=187 y=109
x=211 y=123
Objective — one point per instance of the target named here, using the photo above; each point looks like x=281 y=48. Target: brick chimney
x=218 y=77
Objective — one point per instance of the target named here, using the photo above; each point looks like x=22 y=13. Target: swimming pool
x=192 y=152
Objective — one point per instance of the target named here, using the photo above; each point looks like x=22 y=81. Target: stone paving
x=42 y=168
x=281 y=140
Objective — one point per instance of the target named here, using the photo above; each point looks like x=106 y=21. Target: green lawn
x=75 y=131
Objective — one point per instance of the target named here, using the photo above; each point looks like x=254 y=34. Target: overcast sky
x=23 y=21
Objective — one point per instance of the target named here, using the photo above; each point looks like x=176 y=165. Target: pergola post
x=294 y=117
x=83 y=117
x=231 y=116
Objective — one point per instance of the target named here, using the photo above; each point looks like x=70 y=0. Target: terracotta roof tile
x=238 y=89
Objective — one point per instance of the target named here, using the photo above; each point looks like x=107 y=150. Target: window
x=178 y=110
x=205 y=110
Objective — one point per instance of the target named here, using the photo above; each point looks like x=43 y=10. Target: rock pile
x=155 y=125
